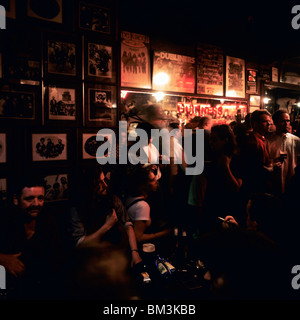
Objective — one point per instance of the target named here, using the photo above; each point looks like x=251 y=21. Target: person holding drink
x=283 y=148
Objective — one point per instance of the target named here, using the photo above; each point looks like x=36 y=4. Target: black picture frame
x=48 y=14
x=62 y=57
x=51 y=157
x=20 y=104
x=99 y=60
x=22 y=56
x=87 y=145
x=68 y=110
x=100 y=107
x=96 y=17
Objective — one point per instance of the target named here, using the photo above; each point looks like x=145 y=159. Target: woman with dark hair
x=220 y=181
x=142 y=181
x=98 y=216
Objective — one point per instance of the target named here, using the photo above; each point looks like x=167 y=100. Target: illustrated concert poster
x=173 y=72
x=210 y=70
x=235 y=77
x=251 y=81
x=135 y=60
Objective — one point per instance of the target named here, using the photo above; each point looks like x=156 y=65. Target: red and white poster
x=173 y=72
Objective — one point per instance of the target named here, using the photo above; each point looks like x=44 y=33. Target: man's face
x=263 y=125
x=152 y=182
x=283 y=124
x=31 y=201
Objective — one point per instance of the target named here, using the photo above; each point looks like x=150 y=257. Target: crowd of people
x=240 y=216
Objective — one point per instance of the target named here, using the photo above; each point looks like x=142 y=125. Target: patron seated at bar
x=30 y=244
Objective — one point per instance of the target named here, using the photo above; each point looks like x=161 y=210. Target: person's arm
x=12 y=263
x=233 y=182
x=97 y=236
x=140 y=228
x=135 y=256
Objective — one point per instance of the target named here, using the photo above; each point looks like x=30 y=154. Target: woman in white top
x=141 y=182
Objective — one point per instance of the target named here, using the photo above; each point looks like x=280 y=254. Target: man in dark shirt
x=29 y=243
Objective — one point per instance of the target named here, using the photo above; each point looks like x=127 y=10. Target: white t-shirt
x=139 y=210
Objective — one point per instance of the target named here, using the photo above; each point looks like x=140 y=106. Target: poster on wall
x=135 y=60
x=251 y=81
x=210 y=70
x=173 y=72
x=235 y=77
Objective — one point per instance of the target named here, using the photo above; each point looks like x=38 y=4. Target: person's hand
x=111 y=219
x=12 y=264
x=229 y=220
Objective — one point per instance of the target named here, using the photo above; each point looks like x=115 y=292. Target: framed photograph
x=57 y=187
x=22 y=56
x=90 y=145
x=100 y=106
x=210 y=70
x=62 y=57
x=235 y=77
x=3 y=189
x=62 y=103
x=254 y=101
x=49 y=146
x=20 y=102
x=3 y=152
x=95 y=17
x=135 y=60
x=51 y=11
x=99 y=61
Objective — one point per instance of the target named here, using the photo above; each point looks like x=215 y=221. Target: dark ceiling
x=258 y=30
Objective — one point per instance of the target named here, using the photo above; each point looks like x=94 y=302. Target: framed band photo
x=49 y=146
x=62 y=57
x=94 y=17
x=99 y=64
x=100 y=106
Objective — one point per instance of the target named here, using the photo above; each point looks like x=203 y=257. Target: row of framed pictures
x=92 y=16
x=49 y=146
x=21 y=58
x=62 y=103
